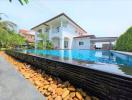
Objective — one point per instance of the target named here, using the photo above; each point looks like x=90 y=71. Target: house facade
x=64 y=33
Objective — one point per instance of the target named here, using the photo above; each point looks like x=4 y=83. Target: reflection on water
x=107 y=60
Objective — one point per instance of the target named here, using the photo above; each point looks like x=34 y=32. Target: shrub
x=124 y=42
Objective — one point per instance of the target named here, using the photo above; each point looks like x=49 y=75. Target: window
x=46 y=29
x=81 y=43
x=58 y=29
x=40 y=30
x=66 y=44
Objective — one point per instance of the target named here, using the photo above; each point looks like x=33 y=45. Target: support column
x=62 y=43
x=61 y=37
x=36 y=40
x=110 y=45
x=50 y=33
x=70 y=43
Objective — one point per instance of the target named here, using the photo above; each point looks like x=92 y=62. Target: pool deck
x=13 y=86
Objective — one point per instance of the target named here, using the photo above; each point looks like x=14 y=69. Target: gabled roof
x=62 y=14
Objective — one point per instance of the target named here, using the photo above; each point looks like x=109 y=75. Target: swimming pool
x=99 y=56
x=110 y=77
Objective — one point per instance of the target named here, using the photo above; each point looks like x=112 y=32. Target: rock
x=75 y=98
x=65 y=93
x=79 y=96
x=46 y=82
x=88 y=98
x=54 y=96
x=50 y=79
x=38 y=83
x=46 y=86
x=67 y=97
x=58 y=98
x=27 y=76
x=59 y=91
x=72 y=94
x=53 y=86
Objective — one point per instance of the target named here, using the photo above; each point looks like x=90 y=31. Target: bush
x=124 y=42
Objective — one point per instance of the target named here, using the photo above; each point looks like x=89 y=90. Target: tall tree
x=8 y=25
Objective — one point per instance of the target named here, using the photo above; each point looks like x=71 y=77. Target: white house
x=64 y=33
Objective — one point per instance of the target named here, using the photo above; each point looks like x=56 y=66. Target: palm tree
x=21 y=1
x=7 y=25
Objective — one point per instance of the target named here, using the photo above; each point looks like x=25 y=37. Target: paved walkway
x=13 y=86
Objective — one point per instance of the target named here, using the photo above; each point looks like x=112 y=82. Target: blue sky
x=99 y=17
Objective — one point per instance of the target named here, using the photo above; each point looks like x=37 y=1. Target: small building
x=28 y=35
x=64 y=33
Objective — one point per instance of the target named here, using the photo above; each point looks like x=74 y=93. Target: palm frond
x=8 y=25
x=21 y=1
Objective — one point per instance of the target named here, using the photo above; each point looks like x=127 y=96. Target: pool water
x=99 y=56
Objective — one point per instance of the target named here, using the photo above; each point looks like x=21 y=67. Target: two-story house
x=66 y=34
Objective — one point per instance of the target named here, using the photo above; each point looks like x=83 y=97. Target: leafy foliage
x=44 y=43
x=8 y=25
x=124 y=42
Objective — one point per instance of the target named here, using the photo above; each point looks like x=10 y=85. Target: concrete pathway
x=13 y=86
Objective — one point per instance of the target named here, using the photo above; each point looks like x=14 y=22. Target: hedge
x=124 y=42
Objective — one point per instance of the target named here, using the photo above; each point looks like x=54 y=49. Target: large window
x=81 y=43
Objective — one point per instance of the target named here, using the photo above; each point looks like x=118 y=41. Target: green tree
x=124 y=42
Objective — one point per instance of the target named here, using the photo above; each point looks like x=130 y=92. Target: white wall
x=85 y=40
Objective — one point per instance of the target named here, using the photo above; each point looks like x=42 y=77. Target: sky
x=98 y=17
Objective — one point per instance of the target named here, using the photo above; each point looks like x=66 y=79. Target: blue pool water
x=99 y=56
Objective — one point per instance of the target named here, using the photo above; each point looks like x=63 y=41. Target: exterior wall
x=69 y=32
x=85 y=40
